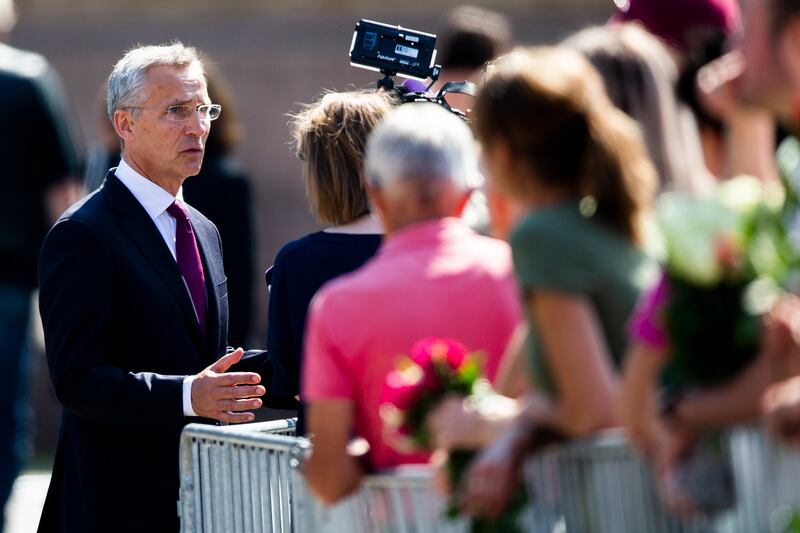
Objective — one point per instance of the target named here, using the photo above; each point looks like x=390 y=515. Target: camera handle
x=387 y=83
x=460 y=87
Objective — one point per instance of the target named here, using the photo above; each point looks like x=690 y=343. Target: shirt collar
x=426 y=233
x=153 y=198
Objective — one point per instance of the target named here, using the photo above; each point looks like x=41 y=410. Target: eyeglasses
x=181 y=113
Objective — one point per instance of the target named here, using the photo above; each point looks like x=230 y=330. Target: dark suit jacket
x=121 y=335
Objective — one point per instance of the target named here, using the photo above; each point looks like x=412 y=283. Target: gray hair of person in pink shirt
x=422 y=162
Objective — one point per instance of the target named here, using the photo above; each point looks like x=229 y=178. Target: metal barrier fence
x=401 y=502
x=600 y=486
x=240 y=478
x=235 y=479
x=767 y=478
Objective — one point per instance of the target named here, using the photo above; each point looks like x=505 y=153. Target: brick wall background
x=274 y=54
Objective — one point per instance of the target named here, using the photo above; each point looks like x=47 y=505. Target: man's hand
x=222 y=396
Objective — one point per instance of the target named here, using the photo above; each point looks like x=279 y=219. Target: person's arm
x=781 y=406
x=329 y=391
x=780 y=403
x=576 y=355
x=701 y=410
x=575 y=352
x=494 y=475
x=457 y=423
x=512 y=375
x=638 y=406
x=749 y=142
x=739 y=399
x=735 y=401
x=331 y=472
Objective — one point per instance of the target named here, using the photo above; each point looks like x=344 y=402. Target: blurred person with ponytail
x=552 y=138
x=736 y=137
x=640 y=77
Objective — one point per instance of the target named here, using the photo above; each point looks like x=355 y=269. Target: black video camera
x=393 y=51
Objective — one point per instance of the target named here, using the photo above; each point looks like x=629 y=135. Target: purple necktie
x=189 y=263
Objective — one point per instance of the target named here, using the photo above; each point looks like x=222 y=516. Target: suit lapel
x=141 y=230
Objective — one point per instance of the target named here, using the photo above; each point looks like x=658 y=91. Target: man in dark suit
x=134 y=305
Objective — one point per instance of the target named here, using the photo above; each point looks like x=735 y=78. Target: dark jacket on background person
x=301 y=268
x=38 y=149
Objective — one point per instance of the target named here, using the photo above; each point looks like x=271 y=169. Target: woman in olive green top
x=576 y=259
x=552 y=139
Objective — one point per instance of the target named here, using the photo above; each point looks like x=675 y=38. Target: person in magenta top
x=664 y=428
x=433 y=276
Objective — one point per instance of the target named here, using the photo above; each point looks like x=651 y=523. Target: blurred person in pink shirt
x=433 y=276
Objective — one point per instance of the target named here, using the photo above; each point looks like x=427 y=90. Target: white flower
x=725 y=235
x=760 y=296
x=742 y=193
x=693 y=229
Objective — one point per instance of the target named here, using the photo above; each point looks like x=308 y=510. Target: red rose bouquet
x=436 y=369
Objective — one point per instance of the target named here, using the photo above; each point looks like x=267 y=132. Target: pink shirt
x=432 y=279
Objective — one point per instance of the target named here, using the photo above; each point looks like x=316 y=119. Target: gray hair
x=423 y=141
x=128 y=76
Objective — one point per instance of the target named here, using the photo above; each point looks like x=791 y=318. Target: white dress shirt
x=155 y=201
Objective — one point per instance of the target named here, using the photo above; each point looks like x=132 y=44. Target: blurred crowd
x=603 y=155
x=541 y=234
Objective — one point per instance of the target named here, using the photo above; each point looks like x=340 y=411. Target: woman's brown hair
x=330 y=136
x=548 y=105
